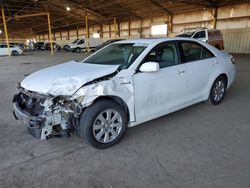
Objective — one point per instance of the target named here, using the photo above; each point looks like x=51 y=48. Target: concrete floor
x=200 y=146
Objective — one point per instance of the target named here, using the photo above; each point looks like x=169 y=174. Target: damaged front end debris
x=44 y=115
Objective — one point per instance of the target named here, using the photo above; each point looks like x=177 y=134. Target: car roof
x=149 y=41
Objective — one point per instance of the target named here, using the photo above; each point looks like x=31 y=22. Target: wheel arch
x=224 y=75
x=117 y=100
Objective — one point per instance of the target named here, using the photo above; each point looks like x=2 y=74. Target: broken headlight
x=79 y=95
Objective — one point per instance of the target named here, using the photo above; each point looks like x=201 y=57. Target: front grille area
x=29 y=104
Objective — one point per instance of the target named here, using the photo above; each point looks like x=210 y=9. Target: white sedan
x=14 y=50
x=122 y=85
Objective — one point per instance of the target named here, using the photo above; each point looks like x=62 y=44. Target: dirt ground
x=200 y=146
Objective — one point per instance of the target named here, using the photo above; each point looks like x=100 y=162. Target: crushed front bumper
x=34 y=123
x=41 y=126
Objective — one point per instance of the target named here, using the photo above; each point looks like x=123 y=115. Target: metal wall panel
x=237 y=40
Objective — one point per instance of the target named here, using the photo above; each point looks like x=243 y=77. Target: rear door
x=200 y=65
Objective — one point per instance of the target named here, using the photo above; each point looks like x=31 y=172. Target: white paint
x=4 y=50
x=65 y=79
x=147 y=95
x=150 y=67
x=92 y=42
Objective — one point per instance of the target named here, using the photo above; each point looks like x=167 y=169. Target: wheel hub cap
x=218 y=90
x=107 y=126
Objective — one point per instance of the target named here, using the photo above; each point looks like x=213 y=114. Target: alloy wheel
x=218 y=90
x=107 y=126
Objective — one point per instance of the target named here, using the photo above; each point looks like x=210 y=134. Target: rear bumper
x=33 y=123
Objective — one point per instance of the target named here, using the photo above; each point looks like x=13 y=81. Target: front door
x=159 y=92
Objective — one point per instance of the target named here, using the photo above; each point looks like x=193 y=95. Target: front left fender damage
x=64 y=111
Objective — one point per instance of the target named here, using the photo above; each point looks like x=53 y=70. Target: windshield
x=123 y=54
x=188 y=35
x=75 y=41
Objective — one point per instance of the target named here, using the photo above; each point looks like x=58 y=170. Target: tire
x=97 y=129
x=218 y=91
x=78 y=50
x=14 y=53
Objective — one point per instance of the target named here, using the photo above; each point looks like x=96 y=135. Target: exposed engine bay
x=45 y=115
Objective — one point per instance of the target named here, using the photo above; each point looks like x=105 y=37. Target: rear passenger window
x=193 y=51
x=206 y=53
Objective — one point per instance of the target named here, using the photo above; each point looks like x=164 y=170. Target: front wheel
x=78 y=50
x=103 y=124
x=14 y=53
x=218 y=91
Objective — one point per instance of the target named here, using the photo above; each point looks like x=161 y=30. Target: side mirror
x=149 y=67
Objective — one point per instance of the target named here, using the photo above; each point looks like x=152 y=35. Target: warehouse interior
x=199 y=146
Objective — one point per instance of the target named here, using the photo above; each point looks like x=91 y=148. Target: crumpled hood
x=66 y=78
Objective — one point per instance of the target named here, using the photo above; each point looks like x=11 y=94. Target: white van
x=82 y=44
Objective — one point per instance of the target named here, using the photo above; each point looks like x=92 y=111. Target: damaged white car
x=122 y=85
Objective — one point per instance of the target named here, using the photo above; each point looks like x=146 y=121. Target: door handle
x=181 y=72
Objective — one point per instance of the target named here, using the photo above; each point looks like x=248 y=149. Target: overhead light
x=0 y=31
x=68 y=8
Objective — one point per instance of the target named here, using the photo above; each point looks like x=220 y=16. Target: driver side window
x=165 y=54
x=81 y=42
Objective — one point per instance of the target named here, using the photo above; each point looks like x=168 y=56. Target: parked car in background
x=20 y=45
x=82 y=44
x=40 y=45
x=23 y=46
x=107 y=43
x=67 y=46
x=56 y=47
x=14 y=50
x=211 y=36
x=122 y=85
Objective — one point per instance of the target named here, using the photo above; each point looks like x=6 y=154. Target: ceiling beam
x=161 y=7
x=17 y=13
x=85 y=8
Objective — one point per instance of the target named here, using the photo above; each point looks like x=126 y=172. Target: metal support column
x=170 y=24
x=214 y=17
x=115 y=26
x=50 y=35
x=87 y=31
x=6 y=31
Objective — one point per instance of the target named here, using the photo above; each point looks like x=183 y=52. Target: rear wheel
x=218 y=91
x=103 y=124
